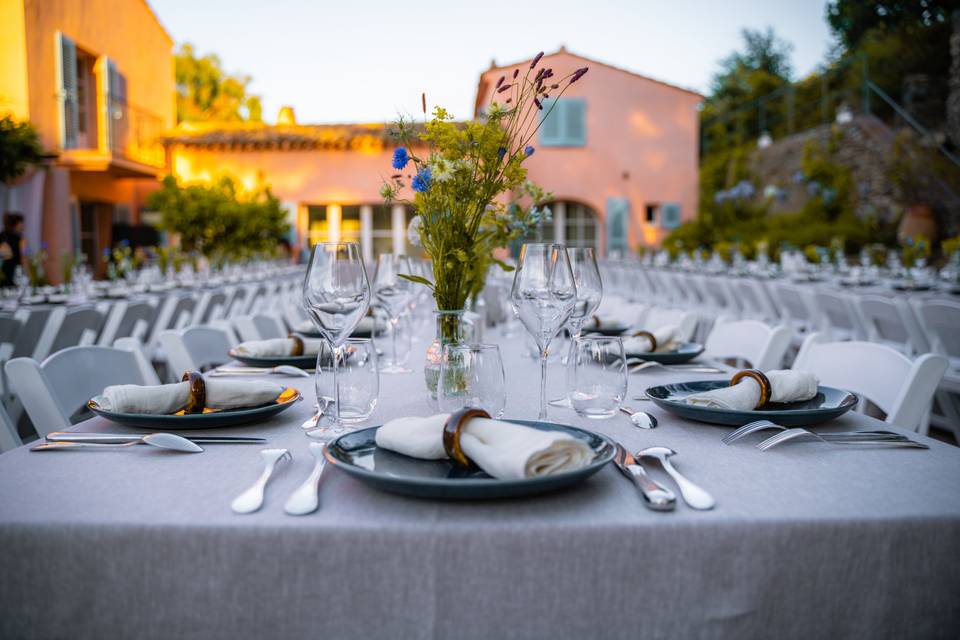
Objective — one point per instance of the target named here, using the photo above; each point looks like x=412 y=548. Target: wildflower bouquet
x=916 y=248
x=460 y=182
x=36 y=273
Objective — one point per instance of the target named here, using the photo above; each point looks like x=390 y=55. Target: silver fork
x=760 y=425
x=889 y=439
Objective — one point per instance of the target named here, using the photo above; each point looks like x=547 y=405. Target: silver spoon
x=640 y=419
x=693 y=495
x=160 y=440
x=318 y=411
x=305 y=499
x=252 y=499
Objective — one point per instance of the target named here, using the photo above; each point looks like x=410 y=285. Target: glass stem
x=543 y=384
x=576 y=329
x=336 y=384
x=395 y=325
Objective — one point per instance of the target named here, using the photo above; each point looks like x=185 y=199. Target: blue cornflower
x=529 y=150
x=421 y=181
x=400 y=158
x=502 y=151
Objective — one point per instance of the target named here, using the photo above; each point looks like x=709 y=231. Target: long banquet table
x=806 y=541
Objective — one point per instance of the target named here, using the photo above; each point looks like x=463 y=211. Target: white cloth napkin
x=504 y=450
x=612 y=313
x=785 y=386
x=277 y=347
x=641 y=344
x=365 y=325
x=165 y=399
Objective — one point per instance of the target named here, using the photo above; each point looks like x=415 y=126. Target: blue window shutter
x=565 y=125
x=670 y=215
x=551 y=124
x=618 y=216
x=575 y=122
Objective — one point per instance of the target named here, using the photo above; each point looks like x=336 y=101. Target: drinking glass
x=336 y=295
x=586 y=275
x=598 y=380
x=543 y=294
x=357 y=385
x=471 y=375
x=393 y=293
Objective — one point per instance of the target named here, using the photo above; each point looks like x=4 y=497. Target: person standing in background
x=11 y=247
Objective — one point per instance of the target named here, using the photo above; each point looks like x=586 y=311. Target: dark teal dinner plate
x=607 y=331
x=684 y=352
x=829 y=403
x=357 y=454
x=211 y=420
x=303 y=362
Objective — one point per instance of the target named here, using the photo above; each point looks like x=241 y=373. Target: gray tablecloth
x=807 y=541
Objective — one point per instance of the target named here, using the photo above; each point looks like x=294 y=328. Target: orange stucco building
x=619 y=152
x=95 y=77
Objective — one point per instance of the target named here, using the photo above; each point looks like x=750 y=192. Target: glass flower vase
x=449 y=331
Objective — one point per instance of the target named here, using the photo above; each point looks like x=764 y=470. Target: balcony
x=128 y=140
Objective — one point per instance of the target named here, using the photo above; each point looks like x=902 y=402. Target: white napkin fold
x=641 y=344
x=504 y=450
x=365 y=325
x=612 y=313
x=785 y=386
x=275 y=347
x=166 y=399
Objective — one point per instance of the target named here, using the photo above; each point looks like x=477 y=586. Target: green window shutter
x=618 y=217
x=551 y=124
x=116 y=96
x=67 y=90
x=575 y=122
x=670 y=215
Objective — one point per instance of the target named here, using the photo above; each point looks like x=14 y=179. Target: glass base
x=394 y=368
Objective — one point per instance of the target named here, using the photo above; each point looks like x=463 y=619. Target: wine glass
x=393 y=292
x=586 y=275
x=471 y=375
x=544 y=294
x=336 y=295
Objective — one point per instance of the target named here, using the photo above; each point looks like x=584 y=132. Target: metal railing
x=135 y=133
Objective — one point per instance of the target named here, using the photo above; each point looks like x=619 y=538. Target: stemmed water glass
x=544 y=294
x=586 y=275
x=336 y=295
x=393 y=292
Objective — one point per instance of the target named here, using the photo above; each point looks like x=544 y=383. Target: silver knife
x=120 y=438
x=655 y=496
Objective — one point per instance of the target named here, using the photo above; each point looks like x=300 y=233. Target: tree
x=764 y=61
x=897 y=37
x=19 y=148
x=206 y=92
x=219 y=219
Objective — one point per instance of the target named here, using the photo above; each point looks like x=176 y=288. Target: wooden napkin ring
x=297 y=344
x=649 y=336
x=198 y=392
x=451 y=433
x=765 y=389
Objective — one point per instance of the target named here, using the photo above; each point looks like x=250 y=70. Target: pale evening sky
x=367 y=60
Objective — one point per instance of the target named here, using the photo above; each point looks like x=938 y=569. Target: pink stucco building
x=619 y=152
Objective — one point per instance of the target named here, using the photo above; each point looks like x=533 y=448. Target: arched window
x=581 y=228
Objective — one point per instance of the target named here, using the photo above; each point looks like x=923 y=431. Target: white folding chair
x=795 y=306
x=902 y=388
x=9 y=438
x=259 y=327
x=892 y=322
x=54 y=391
x=127 y=320
x=80 y=327
x=10 y=327
x=195 y=349
x=762 y=346
x=941 y=320
x=838 y=318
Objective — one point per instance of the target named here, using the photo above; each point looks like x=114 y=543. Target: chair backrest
x=195 y=349
x=9 y=438
x=80 y=327
x=56 y=389
x=941 y=319
x=838 y=318
x=889 y=321
x=793 y=302
x=175 y=312
x=901 y=387
x=127 y=320
x=762 y=346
